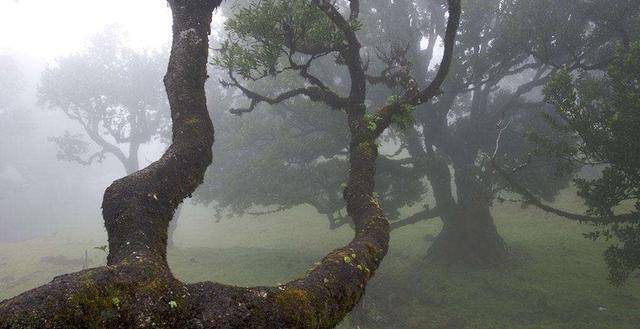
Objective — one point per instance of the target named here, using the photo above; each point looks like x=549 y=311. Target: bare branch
x=445 y=64
x=268 y=212
x=351 y=53
x=416 y=218
x=538 y=81
x=499 y=139
x=384 y=117
x=315 y=93
x=530 y=198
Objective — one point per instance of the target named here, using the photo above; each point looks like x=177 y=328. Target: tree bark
x=137 y=290
x=133 y=163
x=469 y=235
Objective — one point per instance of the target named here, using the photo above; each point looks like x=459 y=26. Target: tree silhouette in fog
x=114 y=94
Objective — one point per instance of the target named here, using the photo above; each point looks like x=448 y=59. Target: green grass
x=557 y=279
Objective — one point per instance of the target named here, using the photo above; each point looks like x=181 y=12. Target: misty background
x=82 y=104
x=47 y=195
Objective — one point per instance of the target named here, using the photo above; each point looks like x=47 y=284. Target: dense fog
x=503 y=147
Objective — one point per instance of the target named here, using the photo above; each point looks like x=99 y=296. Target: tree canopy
x=114 y=94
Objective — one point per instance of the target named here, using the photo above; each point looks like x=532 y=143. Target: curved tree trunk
x=137 y=290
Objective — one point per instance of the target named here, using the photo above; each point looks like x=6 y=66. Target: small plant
x=103 y=248
x=116 y=302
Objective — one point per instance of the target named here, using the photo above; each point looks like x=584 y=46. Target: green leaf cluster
x=403 y=118
x=262 y=34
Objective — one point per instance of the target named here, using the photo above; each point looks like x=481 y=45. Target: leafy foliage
x=603 y=112
x=295 y=153
x=404 y=118
x=264 y=31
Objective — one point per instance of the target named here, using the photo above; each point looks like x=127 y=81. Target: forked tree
x=136 y=289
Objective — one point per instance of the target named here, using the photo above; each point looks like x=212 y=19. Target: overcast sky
x=50 y=28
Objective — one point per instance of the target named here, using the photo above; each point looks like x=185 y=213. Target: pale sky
x=50 y=28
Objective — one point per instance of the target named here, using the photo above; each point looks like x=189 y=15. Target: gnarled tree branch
x=423 y=215
x=314 y=93
x=433 y=89
x=530 y=198
x=384 y=117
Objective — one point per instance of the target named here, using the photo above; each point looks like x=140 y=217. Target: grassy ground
x=557 y=279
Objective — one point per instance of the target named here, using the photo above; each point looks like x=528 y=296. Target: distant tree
x=114 y=94
x=601 y=115
x=507 y=51
x=482 y=96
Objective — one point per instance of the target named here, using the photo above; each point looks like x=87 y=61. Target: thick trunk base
x=470 y=240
